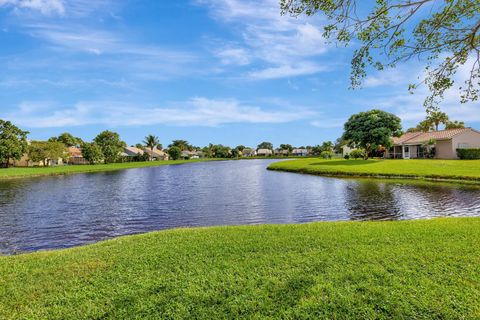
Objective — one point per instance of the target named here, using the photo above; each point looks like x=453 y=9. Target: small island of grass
x=432 y=169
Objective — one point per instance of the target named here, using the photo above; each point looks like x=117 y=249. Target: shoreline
x=325 y=171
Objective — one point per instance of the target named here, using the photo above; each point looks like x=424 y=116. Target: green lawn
x=45 y=171
x=431 y=169
x=345 y=270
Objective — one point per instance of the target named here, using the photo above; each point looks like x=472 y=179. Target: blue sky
x=220 y=71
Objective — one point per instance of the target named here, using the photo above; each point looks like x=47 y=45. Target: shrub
x=356 y=154
x=346 y=156
x=326 y=154
x=468 y=154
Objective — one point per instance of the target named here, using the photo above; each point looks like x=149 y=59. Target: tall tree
x=110 y=144
x=13 y=142
x=265 y=145
x=436 y=117
x=92 y=152
x=455 y=125
x=286 y=146
x=372 y=129
x=151 y=142
x=68 y=140
x=443 y=33
x=183 y=145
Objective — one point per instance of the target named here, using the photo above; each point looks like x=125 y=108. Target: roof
x=75 y=152
x=134 y=150
x=420 y=137
x=155 y=153
x=264 y=151
x=299 y=150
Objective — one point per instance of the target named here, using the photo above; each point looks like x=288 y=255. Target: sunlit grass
x=343 y=270
x=58 y=170
x=434 y=169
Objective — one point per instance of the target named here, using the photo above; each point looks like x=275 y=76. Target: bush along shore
x=462 y=171
x=329 y=270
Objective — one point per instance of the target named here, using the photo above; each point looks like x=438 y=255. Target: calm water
x=65 y=211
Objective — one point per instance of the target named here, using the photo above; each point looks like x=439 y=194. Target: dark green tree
x=174 y=152
x=110 y=144
x=265 y=145
x=455 y=125
x=372 y=129
x=286 y=146
x=443 y=33
x=92 y=152
x=68 y=140
x=183 y=145
x=13 y=142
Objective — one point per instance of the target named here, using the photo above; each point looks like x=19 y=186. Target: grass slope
x=343 y=270
x=59 y=170
x=427 y=169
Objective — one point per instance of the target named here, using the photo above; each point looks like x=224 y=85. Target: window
x=463 y=146
x=407 y=149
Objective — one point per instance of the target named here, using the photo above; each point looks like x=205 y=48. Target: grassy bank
x=59 y=170
x=458 y=170
x=347 y=270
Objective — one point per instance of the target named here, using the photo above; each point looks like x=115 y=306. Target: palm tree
x=151 y=142
x=436 y=117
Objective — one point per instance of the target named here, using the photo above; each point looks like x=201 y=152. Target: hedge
x=468 y=154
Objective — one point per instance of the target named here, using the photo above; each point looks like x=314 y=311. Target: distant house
x=191 y=154
x=249 y=152
x=75 y=156
x=132 y=151
x=264 y=152
x=281 y=152
x=300 y=152
x=156 y=154
x=441 y=144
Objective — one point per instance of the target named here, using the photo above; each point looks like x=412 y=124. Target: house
x=132 y=152
x=75 y=156
x=281 y=152
x=264 y=152
x=249 y=152
x=300 y=152
x=190 y=154
x=438 y=144
x=156 y=154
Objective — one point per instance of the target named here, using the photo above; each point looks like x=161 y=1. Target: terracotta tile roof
x=405 y=137
x=421 y=137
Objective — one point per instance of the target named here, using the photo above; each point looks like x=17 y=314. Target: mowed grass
x=59 y=170
x=431 y=169
x=343 y=270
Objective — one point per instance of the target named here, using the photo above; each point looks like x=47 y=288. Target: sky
x=207 y=71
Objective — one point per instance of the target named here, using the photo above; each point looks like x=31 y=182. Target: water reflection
x=64 y=211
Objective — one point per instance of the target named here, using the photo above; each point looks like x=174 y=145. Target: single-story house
x=132 y=151
x=264 y=152
x=249 y=152
x=156 y=154
x=281 y=152
x=75 y=156
x=191 y=154
x=300 y=152
x=440 y=144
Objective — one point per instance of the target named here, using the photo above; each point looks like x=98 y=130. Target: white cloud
x=197 y=111
x=46 y=7
x=287 y=71
x=281 y=43
x=329 y=123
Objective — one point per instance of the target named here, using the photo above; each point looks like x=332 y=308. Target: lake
x=64 y=211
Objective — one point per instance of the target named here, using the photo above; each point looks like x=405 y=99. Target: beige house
x=440 y=144
x=264 y=152
x=156 y=154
